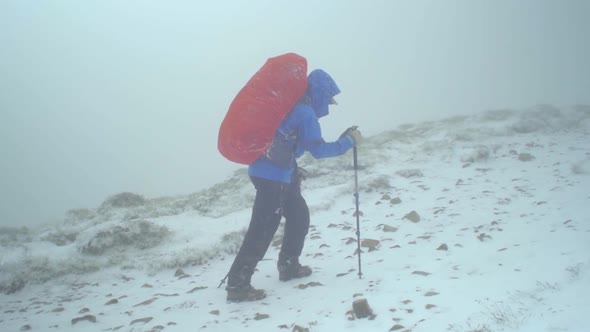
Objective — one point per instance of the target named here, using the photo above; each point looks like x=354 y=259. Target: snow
x=517 y=236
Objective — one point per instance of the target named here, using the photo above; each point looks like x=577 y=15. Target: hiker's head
x=321 y=90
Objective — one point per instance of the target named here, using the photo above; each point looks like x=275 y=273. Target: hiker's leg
x=266 y=216
x=296 y=223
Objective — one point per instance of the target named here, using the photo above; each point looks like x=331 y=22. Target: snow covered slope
x=477 y=223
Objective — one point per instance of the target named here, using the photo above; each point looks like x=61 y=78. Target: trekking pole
x=356 y=196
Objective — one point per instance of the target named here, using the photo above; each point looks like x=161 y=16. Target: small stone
x=389 y=229
x=443 y=247
x=483 y=237
x=113 y=301
x=147 y=302
x=196 y=289
x=214 y=312
x=144 y=320
x=412 y=216
x=89 y=318
x=26 y=327
x=430 y=306
x=260 y=316
x=179 y=273
x=525 y=157
x=395 y=201
x=298 y=328
x=396 y=327
x=361 y=308
x=421 y=273
x=370 y=243
x=309 y=284
x=430 y=293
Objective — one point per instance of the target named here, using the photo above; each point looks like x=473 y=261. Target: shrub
x=479 y=153
x=60 y=237
x=123 y=200
x=497 y=115
x=75 y=215
x=378 y=183
x=14 y=235
x=140 y=234
x=410 y=173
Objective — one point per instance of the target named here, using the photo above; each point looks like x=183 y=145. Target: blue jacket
x=302 y=121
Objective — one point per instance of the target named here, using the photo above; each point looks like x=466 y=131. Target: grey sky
x=99 y=97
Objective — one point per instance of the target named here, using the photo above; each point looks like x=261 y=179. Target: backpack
x=248 y=129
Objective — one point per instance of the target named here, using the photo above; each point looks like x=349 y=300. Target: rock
x=525 y=157
x=309 y=284
x=370 y=243
x=350 y=240
x=179 y=273
x=387 y=228
x=260 y=316
x=396 y=327
x=430 y=306
x=421 y=273
x=147 y=302
x=144 y=320
x=214 y=312
x=412 y=216
x=113 y=301
x=443 y=247
x=89 y=318
x=431 y=293
x=298 y=328
x=196 y=289
x=395 y=201
x=361 y=308
x=385 y=197
x=483 y=236
x=26 y=327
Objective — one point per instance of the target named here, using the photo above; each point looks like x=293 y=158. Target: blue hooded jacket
x=303 y=122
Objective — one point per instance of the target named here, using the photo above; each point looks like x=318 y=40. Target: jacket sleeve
x=310 y=139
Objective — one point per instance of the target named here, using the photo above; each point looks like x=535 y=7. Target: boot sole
x=238 y=300
x=284 y=278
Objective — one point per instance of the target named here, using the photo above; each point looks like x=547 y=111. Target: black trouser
x=273 y=200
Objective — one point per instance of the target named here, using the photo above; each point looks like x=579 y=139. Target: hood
x=320 y=90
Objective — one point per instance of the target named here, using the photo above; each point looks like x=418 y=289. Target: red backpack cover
x=258 y=109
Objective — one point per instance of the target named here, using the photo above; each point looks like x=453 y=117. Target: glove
x=354 y=134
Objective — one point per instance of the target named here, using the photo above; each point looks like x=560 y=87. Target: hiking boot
x=291 y=269
x=244 y=294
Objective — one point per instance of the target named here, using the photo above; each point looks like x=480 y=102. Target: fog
x=102 y=97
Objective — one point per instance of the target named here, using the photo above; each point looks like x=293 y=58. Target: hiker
x=277 y=180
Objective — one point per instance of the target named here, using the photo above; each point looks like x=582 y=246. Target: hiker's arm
x=312 y=141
